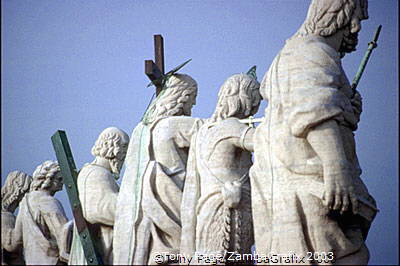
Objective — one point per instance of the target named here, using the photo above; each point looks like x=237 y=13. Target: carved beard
x=349 y=43
x=187 y=112
x=187 y=108
x=116 y=166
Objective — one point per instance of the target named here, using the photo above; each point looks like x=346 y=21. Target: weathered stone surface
x=148 y=211
x=216 y=204
x=98 y=193
x=13 y=190
x=307 y=194
x=41 y=222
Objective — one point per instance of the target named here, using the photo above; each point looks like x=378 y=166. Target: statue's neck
x=335 y=40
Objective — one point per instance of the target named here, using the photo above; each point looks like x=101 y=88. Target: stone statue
x=216 y=204
x=12 y=192
x=307 y=193
x=41 y=223
x=98 y=193
x=148 y=216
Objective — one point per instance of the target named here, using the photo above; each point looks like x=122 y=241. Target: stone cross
x=155 y=71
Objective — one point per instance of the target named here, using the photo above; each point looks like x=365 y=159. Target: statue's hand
x=231 y=193
x=339 y=192
x=63 y=256
x=356 y=102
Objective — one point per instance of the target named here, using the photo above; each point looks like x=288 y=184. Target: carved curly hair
x=108 y=143
x=13 y=190
x=239 y=96
x=326 y=17
x=179 y=87
x=44 y=175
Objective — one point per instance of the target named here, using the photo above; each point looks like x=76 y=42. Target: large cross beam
x=156 y=70
x=70 y=175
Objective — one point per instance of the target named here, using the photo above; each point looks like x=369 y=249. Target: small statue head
x=326 y=17
x=178 y=97
x=112 y=145
x=14 y=189
x=238 y=97
x=47 y=177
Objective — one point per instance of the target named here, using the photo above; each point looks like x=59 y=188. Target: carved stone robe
x=11 y=252
x=148 y=212
x=98 y=193
x=304 y=87
x=40 y=225
x=209 y=226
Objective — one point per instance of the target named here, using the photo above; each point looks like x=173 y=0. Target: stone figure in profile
x=41 y=223
x=12 y=192
x=306 y=189
x=98 y=193
x=216 y=204
x=148 y=216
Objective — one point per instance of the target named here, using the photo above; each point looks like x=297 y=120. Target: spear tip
x=377 y=32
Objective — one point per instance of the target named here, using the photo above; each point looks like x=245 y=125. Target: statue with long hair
x=216 y=204
x=12 y=192
x=148 y=217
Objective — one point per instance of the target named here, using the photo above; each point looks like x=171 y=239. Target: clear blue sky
x=79 y=66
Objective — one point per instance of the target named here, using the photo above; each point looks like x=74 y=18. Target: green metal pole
x=371 y=46
x=70 y=174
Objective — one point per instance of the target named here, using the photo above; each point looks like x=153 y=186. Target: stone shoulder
x=168 y=127
x=232 y=124
x=46 y=203
x=94 y=171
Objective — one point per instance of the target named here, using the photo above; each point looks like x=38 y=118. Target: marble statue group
x=219 y=190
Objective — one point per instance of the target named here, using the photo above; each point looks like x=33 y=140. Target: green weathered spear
x=371 y=46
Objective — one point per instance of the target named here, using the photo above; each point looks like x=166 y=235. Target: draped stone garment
x=98 y=193
x=208 y=226
x=11 y=252
x=305 y=86
x=148 y=216
x=130 y=193
x=40 y=223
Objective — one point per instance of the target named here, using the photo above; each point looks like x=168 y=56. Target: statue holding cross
x=147 y=217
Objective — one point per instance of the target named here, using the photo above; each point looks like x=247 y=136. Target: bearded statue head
x=112 y=144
